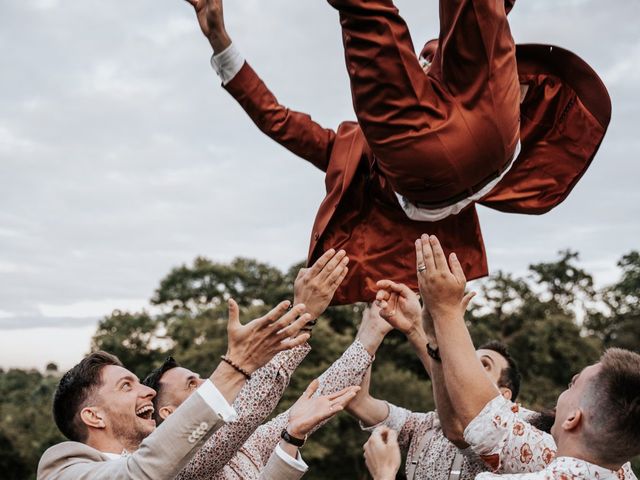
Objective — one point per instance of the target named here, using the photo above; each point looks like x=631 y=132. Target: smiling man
x=107 y=414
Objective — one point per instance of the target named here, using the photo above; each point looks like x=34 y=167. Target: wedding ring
x=421 y=268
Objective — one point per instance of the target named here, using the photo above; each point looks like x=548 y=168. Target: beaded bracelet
x=239 y=369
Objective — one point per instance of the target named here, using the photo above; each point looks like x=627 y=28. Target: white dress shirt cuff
x=297 y=463
x=227 y=63
x=212 y=396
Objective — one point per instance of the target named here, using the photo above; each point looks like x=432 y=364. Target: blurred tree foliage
x=554 y=320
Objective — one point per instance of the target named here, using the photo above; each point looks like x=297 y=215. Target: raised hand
x=309 y=411
x=382 y=454
x=251 y=346
x=399 y=306
x=441 y=284
x=316 y=285
x=211 y=19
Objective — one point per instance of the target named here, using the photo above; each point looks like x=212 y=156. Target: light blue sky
x=120 y=155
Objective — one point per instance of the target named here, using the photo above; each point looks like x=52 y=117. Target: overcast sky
x=121 y=156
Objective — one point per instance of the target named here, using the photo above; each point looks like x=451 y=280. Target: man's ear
x=573 y=421
x=506 y=393
x=165 y=411
x=92 y=417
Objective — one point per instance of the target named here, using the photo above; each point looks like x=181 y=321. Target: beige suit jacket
x=160 y=456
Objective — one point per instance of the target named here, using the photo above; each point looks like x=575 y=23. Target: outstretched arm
x=442 y=288
x=293 y=130
x=401 y=308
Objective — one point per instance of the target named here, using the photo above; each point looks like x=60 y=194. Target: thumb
x=234 y=315
x=312 y=388
x=467 y=298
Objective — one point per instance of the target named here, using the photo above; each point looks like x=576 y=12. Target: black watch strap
x=434 y=352
x=297 y=442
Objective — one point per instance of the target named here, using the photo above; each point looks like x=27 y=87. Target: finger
x=399 y=288
x=335 y=395
x=382 y=295
x=293 y=342
x=319 y=264
x=466 y=299
x=295 y=328
x=342 y=276
x=427 y=254
x=344 y=399
x=234 y=315
x=438 y=254
x=312 y=388
x=456 y=268
x=286 y=318
x=333 y=276
x=419 y=256
x=390 y=306
x=331 y=265
x=275 y=314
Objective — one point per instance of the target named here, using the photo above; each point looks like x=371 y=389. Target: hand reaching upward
x=441 y=284
x=253 y=345
x=211 y=19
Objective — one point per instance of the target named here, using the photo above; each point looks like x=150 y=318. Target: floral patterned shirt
x=509 y=444
x=435 y=459
x=244 y=451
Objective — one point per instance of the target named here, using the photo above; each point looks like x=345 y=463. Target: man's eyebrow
x=489 y=357
x=129 y=378
x=193 y=376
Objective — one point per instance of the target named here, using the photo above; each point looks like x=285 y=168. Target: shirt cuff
x=212 y=396
x=227 y=63
x=483 y=431
x=297 y=463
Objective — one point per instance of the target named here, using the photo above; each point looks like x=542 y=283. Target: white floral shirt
x=510 y=445
x=241 y=449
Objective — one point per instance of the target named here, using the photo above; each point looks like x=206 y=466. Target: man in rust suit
x=468 y=126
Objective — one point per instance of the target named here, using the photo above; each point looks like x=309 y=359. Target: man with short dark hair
x=107 y=413
x=596 y=430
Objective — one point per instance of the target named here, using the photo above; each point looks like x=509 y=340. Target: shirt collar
x=581 y=469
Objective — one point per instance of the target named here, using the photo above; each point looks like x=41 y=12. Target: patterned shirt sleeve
x=345 y=372
x=254 y=404
x=505 y=442
x=348 y=370
x=405 y=422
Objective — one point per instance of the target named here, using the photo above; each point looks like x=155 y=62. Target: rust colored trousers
x=437 y=137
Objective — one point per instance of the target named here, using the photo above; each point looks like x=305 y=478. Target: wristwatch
x=297 y=442
x=434 y=352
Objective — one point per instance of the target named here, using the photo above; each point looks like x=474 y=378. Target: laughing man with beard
x=107 y=414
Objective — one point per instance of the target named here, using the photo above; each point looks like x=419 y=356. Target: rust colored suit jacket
x=563 y=123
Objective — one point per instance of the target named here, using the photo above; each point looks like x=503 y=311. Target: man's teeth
x=145 y=411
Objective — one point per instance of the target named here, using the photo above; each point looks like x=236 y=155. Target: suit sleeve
x=160 y=456
x=278 y=469
x=254 y=404
x=295 y=131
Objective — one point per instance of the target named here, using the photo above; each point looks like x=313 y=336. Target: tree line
x=553 y=318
